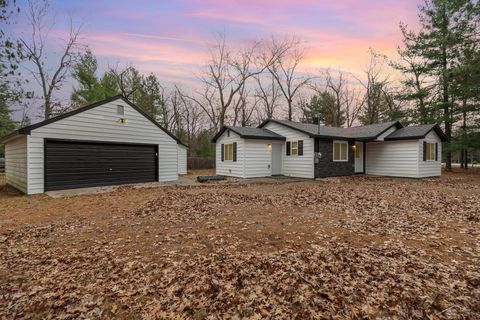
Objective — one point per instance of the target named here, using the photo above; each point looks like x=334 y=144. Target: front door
x=359 y=157
x=276 y=159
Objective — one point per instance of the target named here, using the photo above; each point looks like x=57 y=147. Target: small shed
x=110 y=142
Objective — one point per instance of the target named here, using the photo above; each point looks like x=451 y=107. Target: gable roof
x=361 y=133
x=28 y=129
x=250 y=133
x=417 y=132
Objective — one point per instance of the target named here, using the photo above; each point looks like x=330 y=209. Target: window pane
x=343 y=155
x=294 y=147
x=336 y=151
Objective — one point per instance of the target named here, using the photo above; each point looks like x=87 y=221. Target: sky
x=170 y=38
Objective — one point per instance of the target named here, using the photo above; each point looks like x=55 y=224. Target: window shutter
x=234 y=151
x=424 y=151
x=300 y=147
x=436 y=151
x=223 y=151
x=288 y=148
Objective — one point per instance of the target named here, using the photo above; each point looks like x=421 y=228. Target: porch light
x=122 y=121
x=269 y=147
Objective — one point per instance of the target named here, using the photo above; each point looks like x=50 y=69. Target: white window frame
x=291 y=148
x=333 y=150
x=431 y=147
x=225 y=153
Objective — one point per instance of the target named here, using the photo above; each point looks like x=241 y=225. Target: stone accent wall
x=329 y=168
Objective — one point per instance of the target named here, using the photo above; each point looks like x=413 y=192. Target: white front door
x=276 y=159
x=359 y=157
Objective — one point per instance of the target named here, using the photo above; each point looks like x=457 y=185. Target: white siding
x=386 y=133
x=230 y=168
x=258 y=158
x=101 y=124
x=429 y=168
x=295 y=166
x=392 y=158
x=16 y=163
x=182 y=159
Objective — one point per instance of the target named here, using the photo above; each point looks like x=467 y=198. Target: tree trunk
x=290 y=109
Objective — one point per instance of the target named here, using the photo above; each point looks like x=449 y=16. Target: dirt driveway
x=341 y=248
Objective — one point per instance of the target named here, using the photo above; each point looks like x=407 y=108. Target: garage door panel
x=71 y=164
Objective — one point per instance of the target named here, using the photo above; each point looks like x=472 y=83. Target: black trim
x=288 y=152
x=436 y=151
x=27 y=130
x=244 y=136
x=223 y=152
x=300 y=147
x=424 y=150
x=234 y=152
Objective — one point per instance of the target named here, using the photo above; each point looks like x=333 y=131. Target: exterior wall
x=392 y=158
x=258 y=158
x=329 y=168
x=230 y=168
x=101 y=124
x=386 y=133
x=429 y=168
x=182 y=159
x=16 y=163
x=295 y=166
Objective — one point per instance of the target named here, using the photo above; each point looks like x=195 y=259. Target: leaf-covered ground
x=341 y=248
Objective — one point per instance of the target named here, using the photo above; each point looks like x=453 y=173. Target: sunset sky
x=170 y=38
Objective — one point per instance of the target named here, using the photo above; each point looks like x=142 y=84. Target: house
x=305 y=150
x=110 y=142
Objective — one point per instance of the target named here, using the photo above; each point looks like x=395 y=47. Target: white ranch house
x=281 y=147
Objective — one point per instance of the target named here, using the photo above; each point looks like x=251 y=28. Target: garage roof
x=28 y=129
x=250 y=133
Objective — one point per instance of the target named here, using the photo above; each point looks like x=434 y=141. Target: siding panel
x=295 y=166
x=258 y=158
x=392 y=158
x=16 y=163
x=182 y=159
x=227 y=167
x=101 y=124
x=429 y=168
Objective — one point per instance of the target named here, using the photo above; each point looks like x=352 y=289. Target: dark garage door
x=71 y=164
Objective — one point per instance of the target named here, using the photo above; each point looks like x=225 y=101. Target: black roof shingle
x=362 y=132
x=416 y=132
x=250 y=133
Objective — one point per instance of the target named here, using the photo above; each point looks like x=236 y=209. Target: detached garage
x=110 y=142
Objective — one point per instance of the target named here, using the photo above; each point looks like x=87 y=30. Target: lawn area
x=341 y=248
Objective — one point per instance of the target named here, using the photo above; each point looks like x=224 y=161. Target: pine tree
x=446 y=26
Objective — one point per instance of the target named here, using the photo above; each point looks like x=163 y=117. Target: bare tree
x=244 y=108
x=285 y=69
x=34 y=49
x=268 y=93
x=226 y=75
x=376 y=86
x=352 y=97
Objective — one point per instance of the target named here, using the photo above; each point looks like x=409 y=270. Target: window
x=430 y=152
x=294 y=148
x=340 y=151
x=229 y=152
x=120 y=110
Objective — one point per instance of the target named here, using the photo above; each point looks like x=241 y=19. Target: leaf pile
x=347 y=248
